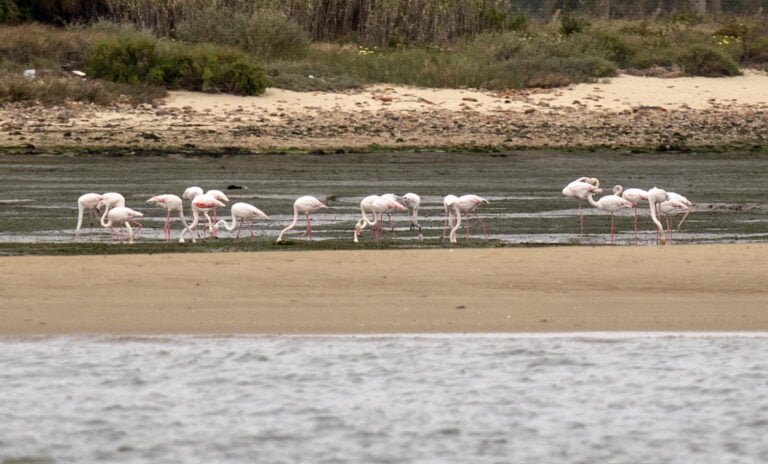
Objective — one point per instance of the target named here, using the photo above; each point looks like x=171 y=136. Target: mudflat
x=672 y=288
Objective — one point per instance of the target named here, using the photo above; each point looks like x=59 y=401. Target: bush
x=266 y=33
x=175 y=66
x=125 y=60
x=699 y=60
x=51 y=90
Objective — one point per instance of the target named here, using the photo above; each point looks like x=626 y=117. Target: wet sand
x=673 y=288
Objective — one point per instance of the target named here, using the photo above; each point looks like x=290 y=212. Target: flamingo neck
x=591 y=200
x=104 y=222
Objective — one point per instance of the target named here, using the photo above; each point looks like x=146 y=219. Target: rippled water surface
x=38 y=194
x=374 y=399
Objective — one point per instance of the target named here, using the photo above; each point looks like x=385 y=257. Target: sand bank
x=696 y=288
x=626 y=111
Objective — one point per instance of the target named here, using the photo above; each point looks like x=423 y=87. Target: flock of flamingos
x=373 y=208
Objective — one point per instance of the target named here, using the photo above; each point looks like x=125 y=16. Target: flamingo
x=171 y=203
x=580 y=189
x=303 y=205
x=448 y=206
x=378 y=205
x=121 y=215
x=191 y=192
x=219 y=195
x=684 y=201
x=392 y=198
x=111 y=200
x=610 y=203
x=366 y=206
x=245 y=212
x=467 y=204
x=412 y=202
x=89 y=202
x=635 y=196
x=673 y=207
x=201 y=204
x=656 y=196
x=450 y=203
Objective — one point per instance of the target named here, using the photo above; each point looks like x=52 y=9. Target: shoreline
x=625 y=112
x=691 y=288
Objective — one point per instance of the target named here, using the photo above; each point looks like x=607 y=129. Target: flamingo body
x=611 y=204
x=303 y=205
x=580 y=190
x=87 y=202
x=171 y=203
x=244 y=213
x=121 y=215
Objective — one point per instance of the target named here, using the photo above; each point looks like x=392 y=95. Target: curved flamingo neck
x=591 y=200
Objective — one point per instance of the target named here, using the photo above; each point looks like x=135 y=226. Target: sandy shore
x=626 y=111
x=674 y=288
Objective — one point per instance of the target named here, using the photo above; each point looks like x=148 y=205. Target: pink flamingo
x=657 y=196
x=124 y=216
x=611 y=204
x=449 y=203
x=675 y=204
x=201 y=204
x=303 y=205
x=635 y=196
x=468 y=204
x=244 y=212
x=378 y=206
x=412 y=202
x=87 y=202
x=580 y=189
x=171 y=203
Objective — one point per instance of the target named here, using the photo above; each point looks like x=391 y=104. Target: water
x=620 y=398
x=39 y=193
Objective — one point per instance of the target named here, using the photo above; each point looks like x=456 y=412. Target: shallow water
x=39 y=192
x=608 y=398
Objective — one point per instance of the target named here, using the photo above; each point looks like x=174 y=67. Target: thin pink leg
x=635 y=223
x=309 y=227
x=581 y=219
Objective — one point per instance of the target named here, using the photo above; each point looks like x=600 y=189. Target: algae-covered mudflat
x=38 y=195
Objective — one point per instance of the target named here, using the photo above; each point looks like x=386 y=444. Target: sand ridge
x=672 y=288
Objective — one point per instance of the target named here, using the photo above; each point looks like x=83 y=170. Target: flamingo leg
x=167 y=227
x=482 y=226
x=581 y=219
x=250 y=228
x=635 y=222
x=308 y=232
x=680 y=224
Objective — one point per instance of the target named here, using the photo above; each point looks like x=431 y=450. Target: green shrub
x=125 y=60
x=700 y=60
x=756 y=51
x=176 y=66
x=265 y=33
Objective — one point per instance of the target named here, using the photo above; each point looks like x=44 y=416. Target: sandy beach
x=680 y=288
x=625 y=111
